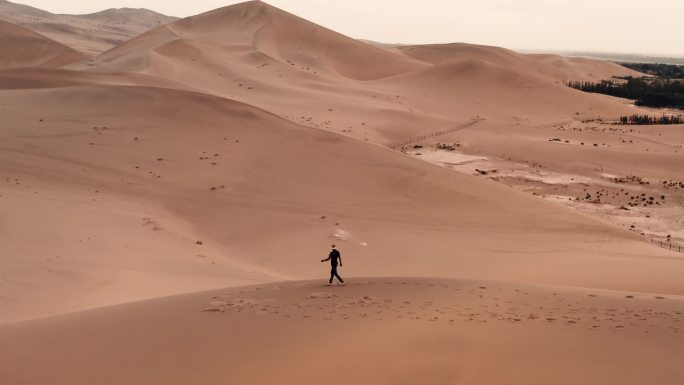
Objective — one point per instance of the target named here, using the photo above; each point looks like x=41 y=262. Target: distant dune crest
x=91 y=34
x=23 y=48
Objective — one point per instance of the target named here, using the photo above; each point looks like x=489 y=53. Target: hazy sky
x=631 y=26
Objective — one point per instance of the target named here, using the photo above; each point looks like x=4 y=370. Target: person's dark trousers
x=333 y=274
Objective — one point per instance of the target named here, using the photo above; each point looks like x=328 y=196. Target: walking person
x=333 y=257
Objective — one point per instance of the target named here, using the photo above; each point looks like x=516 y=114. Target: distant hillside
x=93 y=33
x=134 y=16
x=615 y=57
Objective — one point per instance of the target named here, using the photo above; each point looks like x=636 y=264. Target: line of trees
x=646 y=119
x=646 y=92
x=669 y=71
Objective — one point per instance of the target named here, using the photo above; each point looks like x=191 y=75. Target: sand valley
x=169 y=186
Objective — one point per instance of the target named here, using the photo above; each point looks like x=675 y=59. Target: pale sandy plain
x=227 y=151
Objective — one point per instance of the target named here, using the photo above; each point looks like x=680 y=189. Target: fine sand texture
x=106 y=190
x=164 y=207
x=373 y=331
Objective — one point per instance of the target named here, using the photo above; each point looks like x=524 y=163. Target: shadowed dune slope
x=23 y=48
x=91 y=34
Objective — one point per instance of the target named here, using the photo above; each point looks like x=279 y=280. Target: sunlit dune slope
x=260 y=55
x=375 y=330
x=146 y=173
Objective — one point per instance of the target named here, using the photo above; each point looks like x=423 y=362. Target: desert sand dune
x=91 y=34
x=233 y=147
x=47 y=78
x=281 y=36
x=22 y=48
x=265 y=57
x=497 y=92
x=553 y=66
x=577 y=68
x=129 y=16
x=268 y=58
x=379 y=331
x=222 y=171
